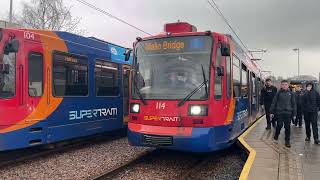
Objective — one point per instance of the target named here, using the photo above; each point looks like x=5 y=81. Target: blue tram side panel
x=108 y=111
x=241 y=118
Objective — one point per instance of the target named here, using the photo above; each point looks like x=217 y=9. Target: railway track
x=165 y=164
x=18 y=156
x=122 y=167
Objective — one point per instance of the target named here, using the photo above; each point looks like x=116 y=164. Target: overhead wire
x=112 y=16
x=214 y=5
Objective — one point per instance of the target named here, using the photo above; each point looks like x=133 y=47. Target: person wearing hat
x=310 y=104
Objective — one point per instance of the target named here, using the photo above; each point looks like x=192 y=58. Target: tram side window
x=257 y=91
x=70 y=75
x=253 y=89
x=35 y=74
x=8 y=75
x=236 y=77
x=260 y=86
x=244 y=81
x=218 y=79
x=106 y=78
x=253 y=80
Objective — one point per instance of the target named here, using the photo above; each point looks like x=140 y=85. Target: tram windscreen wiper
x=204 y=83
x=204 y=80
x=192 y=93
x=137 y=90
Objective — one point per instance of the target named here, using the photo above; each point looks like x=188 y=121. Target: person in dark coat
x=285 y=107
x=310 y=104
x=267 y=95
x=299 y=97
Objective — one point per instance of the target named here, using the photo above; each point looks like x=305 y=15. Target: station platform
x=271 y=160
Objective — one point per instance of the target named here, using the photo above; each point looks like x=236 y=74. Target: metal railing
x=5 y=24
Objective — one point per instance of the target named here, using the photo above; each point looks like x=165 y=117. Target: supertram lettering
x=164 y=118
x=170 y=119
x=242 y=114
x=151 y=118
x=92 y=113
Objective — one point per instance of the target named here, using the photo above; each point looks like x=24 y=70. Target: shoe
x=307 y=139
x=300 y=126
x=275 y=138
x=316 y=141
x=268 y=128
x=288 y=145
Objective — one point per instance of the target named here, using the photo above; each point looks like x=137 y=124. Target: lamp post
x=298 y=50
x=10 y=13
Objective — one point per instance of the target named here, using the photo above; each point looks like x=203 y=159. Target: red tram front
x=182 y=91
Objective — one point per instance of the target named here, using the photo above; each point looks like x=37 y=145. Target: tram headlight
x=198 y=110
x=135 y=108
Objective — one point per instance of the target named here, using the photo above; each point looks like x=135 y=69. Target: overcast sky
x=276 y=25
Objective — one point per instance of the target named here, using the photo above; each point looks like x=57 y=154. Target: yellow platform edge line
x=252 y=153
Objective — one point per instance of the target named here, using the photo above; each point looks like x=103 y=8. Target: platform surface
x=274 y=161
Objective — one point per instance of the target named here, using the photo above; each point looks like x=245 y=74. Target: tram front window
x=171 y=68
x=7 y=75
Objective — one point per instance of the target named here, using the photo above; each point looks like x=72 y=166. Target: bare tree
x=50 y=15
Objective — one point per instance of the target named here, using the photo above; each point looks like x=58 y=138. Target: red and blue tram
x=56 y=86
x=191 y=91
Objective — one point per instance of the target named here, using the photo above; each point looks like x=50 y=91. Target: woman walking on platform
x=310 y=104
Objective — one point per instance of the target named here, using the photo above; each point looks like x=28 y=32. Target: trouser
x=311 y=118
x=284 y=120
x=298 y=118
x=269 y=120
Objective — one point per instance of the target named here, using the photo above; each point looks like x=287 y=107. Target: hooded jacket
x=311 y=101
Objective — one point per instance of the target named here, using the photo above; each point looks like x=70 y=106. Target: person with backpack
x=285 y=107
x=267 y=95
x=310 y=104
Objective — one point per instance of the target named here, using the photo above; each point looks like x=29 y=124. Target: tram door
x=220 y=83
x=126 y=89
x=35 y=76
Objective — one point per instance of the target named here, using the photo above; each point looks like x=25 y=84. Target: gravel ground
x=227 y=166
x=159 y=164
x=82 y=162
x=165 y=164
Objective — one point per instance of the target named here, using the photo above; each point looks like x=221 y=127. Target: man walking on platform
x=311 y=103
x=299 y=97
x=267 y=95
x=284 y=106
